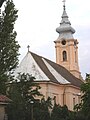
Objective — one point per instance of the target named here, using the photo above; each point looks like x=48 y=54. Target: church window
x=79 y=99
x=54 y=99
x=64 y=56
x=73 y=102
x=75 y=57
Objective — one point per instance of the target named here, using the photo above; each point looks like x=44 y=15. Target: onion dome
x=65 y=30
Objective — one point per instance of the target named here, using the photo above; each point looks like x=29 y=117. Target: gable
x=29 y=65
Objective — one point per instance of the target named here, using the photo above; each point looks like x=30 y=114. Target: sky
x=37 y=22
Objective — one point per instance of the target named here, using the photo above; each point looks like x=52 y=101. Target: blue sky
x=37 y=23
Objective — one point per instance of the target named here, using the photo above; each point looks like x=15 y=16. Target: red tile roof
x=3 y=98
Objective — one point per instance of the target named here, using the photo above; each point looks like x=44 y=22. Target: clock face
x=63 y=42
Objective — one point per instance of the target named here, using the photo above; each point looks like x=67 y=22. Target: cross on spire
x=28 y=47
x=64 y=4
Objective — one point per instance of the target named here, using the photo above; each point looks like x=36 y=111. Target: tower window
x=64 y=56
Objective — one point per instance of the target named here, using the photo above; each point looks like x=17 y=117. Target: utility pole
x=31 y=110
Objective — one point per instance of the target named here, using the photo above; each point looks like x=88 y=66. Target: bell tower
x=66 y=46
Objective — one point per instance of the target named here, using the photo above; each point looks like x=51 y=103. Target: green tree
x=1 y=2
x=60 y=113
x=9 y=47
x=76 y=115
x=22 y=92
x=82 y=110
x=43 y=107
x=85 y=88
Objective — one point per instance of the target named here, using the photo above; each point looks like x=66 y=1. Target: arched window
x=64 y=56
x=75 y=57
x=73 y=102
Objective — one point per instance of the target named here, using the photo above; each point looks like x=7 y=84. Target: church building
x=61 y=80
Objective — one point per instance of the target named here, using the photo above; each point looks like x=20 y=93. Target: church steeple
x=64 y=4
x=66 y=46
x=65 y=30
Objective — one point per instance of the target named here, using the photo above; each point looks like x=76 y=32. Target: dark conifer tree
x=9 y=47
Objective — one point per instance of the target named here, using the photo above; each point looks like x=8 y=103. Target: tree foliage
x=1 y=2
x=83 y=109
x=9 y=47
x=43 y=107
x=22 y=92
x=85 y=88
x=60 y=113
